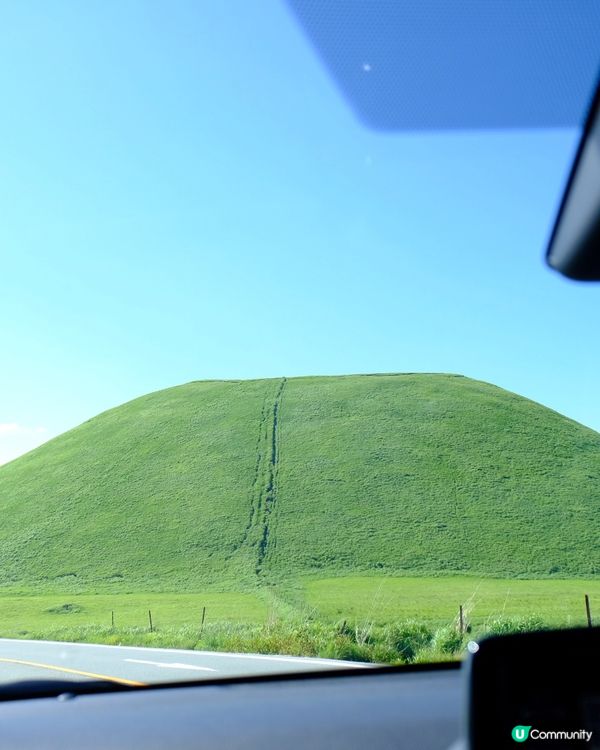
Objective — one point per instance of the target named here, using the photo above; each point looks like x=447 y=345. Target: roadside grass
x=371 y=619
x=403 y=642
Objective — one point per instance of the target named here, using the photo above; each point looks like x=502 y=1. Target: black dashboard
x=378 y=709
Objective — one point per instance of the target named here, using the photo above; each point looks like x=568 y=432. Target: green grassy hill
x=230 y=483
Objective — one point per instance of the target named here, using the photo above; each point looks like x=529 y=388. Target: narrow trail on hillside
x=258 y=471
x=258 y=536
x=267 y=497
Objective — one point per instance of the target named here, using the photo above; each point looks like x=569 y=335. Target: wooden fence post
x=587 y=610
x=112 y=619
x=150 y=620
x=202 y=623
x=461 y=620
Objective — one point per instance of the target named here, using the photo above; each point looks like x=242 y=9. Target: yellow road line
x=118 y=680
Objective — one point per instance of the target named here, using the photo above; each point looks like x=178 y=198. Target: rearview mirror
x=574 y=248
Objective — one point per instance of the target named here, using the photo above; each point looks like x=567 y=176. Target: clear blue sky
x=187 y=196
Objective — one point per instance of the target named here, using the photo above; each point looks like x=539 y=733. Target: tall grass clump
x=507 y=625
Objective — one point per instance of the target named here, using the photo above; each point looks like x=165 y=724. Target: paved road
x=34 y=660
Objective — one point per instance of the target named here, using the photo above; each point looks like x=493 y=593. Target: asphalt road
x=128 y=665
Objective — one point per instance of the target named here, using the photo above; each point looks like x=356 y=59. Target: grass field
x=22 y=614
x=373 y=600
x=435 y=601
x=277 y=503
x=356 y=617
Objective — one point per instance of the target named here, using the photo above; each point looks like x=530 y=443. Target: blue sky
x=187 y=196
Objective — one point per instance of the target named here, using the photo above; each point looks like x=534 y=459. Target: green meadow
x=387 y=620
x=358 y=600
x=22 y=614
x=435 y=601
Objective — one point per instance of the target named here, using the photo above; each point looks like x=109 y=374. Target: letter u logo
x=520 y=733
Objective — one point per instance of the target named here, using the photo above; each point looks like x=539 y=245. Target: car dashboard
x=418 y=709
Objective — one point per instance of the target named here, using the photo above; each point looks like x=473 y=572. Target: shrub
x=64 y=609
x=382 y=653
x=343 y=648
x=505 y=625
x=448 y=640
x=343 y=628
x=408 y=638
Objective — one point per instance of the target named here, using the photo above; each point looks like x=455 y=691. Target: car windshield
x=286 y=384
